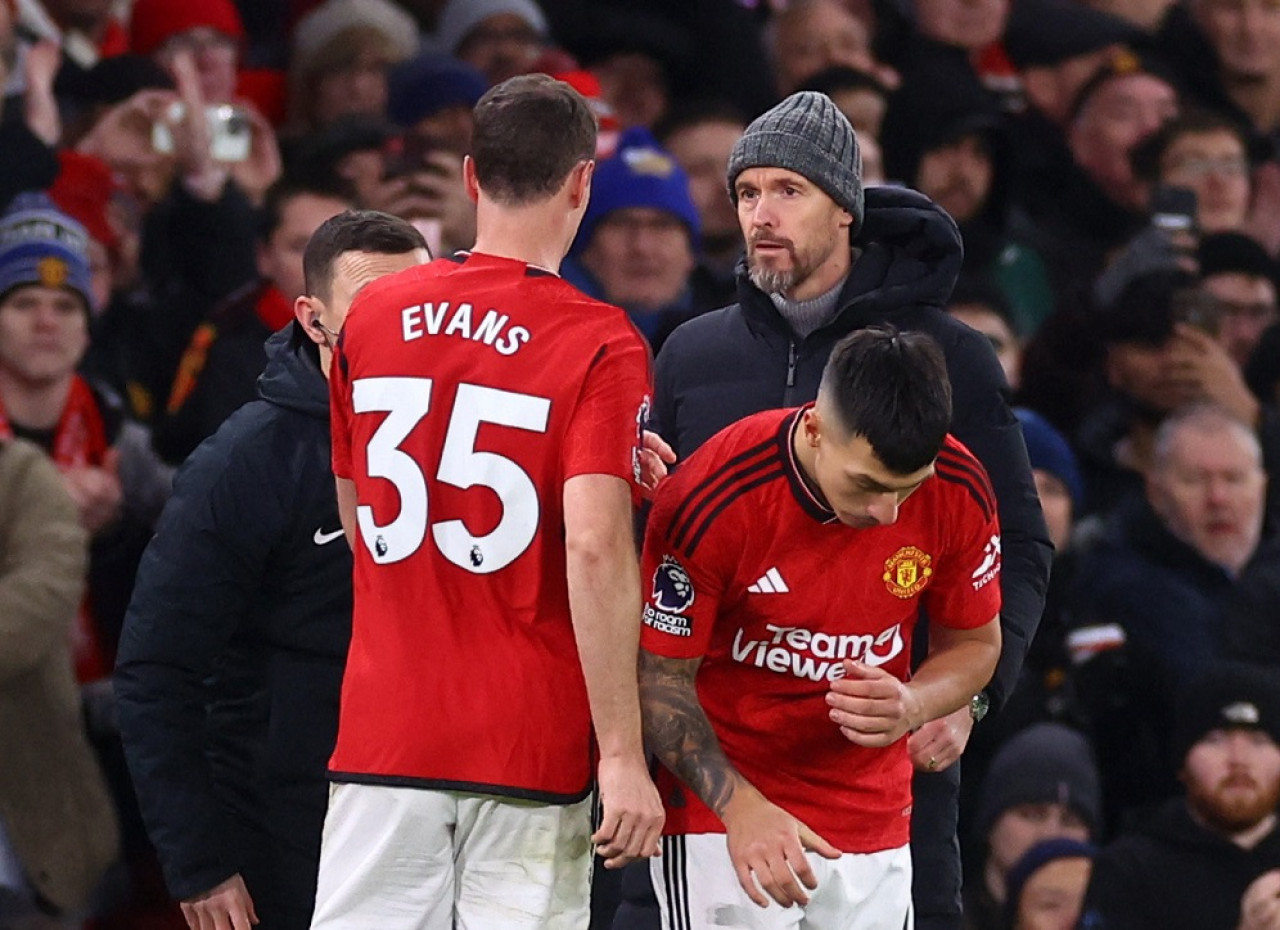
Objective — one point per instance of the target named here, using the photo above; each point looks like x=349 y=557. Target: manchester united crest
x=907 y=571
x=52 y=272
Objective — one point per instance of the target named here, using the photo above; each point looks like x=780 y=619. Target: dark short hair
x=283 y=191
x=891 y=388
x=1146 y=156
x=354 y=231
x=530 y=131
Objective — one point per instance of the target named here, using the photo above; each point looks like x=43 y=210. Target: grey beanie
x=807 y=134
x=1044 y=763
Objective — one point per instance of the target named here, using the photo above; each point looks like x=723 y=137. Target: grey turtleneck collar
x=805 y=316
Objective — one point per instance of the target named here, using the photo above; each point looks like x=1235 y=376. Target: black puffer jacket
x=230 y=663
x=733 y=362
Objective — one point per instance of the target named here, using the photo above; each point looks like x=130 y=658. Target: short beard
x=1236 y=815
x=771 y=282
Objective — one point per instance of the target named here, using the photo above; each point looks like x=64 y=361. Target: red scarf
x=79 y=439
x=273 y=308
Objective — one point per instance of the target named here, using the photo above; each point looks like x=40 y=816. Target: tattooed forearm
x=677 y=731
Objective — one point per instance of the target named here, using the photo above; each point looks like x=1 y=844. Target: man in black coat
x=231 y=659
x=795 y=177
x=1211 y=859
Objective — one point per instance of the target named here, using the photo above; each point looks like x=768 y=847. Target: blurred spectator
x=1211 y=858
x=45 y=305
x=1263 y=371
x=218 y=372
x=342 y=51
x=83 y=32
x=808 y=36
x=1057 y=47
x=1082 y=199
x=1042 y=784
x=1206 y=154
x=1160 y=354
x=58 y=832
x=701 y=138
x=641 y=57
x=431 y=96
x=859 y=95
x=1242 y=276
x=1149 y=597
x=1047 y=885
x=500 y=38
x=980 y=304
x=944 y=136
x=105 y=460
x=636 y=246
x=208 y=30
x=1227 y=53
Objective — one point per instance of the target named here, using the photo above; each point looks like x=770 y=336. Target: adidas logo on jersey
x=769 y=583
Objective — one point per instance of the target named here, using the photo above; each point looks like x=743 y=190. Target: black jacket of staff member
x=240 y=621
x=744 y=358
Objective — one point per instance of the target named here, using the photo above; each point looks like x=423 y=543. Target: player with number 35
x=487 y=427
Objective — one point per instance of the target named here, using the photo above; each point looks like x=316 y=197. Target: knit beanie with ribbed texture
x=807 y=134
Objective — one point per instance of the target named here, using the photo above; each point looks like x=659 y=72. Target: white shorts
x=413 y=859
x=698 y=888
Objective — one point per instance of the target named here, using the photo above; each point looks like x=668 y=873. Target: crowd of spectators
x=1113 y=167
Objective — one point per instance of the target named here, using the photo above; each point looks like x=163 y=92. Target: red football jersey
x=465 y=393
x=751 y=571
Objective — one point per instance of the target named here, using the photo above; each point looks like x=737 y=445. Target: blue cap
x=639 y=174
x=39 y=245
x=1050 y=452
x=428 y=83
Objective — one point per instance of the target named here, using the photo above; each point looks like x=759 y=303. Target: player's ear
x=469 y=178
x=306 y=310
x=812 y=423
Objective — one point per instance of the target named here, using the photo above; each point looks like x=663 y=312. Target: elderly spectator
x=209 y=30
x=1212 y=857
x=1150 y=597
x=638 y=239
x=1042 y=785
x=342 y=51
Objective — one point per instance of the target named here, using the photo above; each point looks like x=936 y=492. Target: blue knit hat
x=1035 y=859
x=428 y=83
x=1049 y=451
x=639 y=174
x=41 y=246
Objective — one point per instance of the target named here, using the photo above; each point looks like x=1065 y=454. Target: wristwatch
x=979 y=704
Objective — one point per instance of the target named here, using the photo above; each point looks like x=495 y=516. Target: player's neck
x=804 y=454
x=533 y=235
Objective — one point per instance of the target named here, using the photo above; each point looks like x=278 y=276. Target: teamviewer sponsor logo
x=672 y=595
x=989 y=567
x=815 y=656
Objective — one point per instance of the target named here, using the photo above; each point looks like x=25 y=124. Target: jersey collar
x=805 y=492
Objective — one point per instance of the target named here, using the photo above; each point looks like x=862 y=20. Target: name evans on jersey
x=429 y=319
